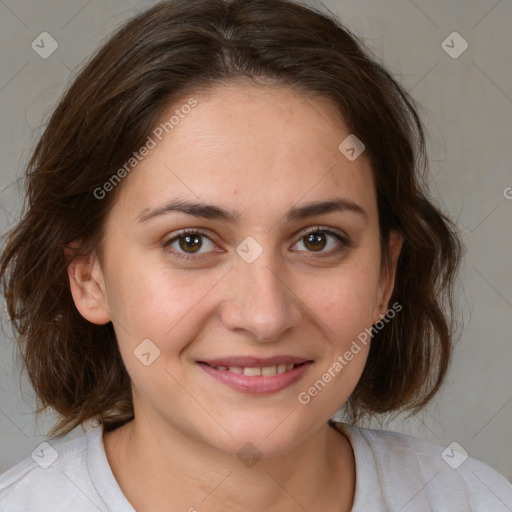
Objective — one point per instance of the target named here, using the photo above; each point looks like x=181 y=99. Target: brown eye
x=190 y=243
x=315 y=241
x=323 y=241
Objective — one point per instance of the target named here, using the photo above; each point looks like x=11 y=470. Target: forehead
x=251 y=148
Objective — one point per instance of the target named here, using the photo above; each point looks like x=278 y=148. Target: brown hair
x=107 y=113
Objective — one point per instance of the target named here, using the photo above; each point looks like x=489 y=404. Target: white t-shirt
x=394 y=472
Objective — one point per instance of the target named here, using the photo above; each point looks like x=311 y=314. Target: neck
x=156 y=465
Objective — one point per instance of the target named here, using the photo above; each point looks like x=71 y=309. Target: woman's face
x=256 y=168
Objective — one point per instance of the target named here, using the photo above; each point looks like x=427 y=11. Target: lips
x=254 y=362
x=256 y=375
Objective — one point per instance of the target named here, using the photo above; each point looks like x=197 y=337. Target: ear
x=88 y=288
x=388 y=273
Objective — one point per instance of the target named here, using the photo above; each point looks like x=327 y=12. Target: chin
x=271 y=437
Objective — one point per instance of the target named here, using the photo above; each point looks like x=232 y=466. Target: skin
x=258 y=151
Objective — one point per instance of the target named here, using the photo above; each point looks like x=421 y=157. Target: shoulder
x=412 y=474
x=54 y=477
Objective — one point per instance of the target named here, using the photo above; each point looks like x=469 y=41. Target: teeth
x=267 y=371
x=252 y=372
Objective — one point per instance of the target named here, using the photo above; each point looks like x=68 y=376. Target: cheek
x=342 y=304
x=147 y=300
x=150 y=304
x=342 y=309
x=344 y=299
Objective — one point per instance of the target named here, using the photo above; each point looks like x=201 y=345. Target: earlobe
x=88 y=290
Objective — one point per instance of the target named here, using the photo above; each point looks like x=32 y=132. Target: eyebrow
x=210 y=211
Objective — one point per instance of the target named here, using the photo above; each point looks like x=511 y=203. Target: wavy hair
x=170 y=50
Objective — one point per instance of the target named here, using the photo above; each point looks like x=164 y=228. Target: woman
x=226 y=240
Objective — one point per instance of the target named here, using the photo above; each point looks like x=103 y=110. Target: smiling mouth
x=257 y=371
x=255 y=375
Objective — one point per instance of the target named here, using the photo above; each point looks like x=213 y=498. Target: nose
x=260 y=300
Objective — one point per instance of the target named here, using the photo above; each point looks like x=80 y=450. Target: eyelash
x=316 y=229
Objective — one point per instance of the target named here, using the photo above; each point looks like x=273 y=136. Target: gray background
x=467 y=107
